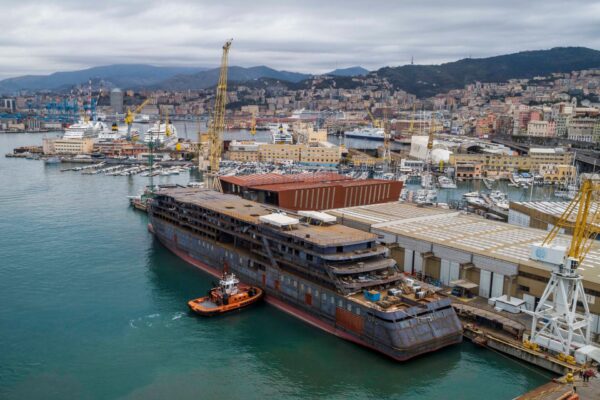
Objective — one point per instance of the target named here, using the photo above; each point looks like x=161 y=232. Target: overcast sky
x=40 y=37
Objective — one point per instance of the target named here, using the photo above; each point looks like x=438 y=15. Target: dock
x=562 y=389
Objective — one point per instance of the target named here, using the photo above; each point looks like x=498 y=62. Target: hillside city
x=561 y=105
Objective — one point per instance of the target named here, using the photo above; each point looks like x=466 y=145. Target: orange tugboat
x=230 y=295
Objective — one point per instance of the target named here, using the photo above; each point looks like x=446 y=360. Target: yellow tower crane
x=217 y=126
x=167 y=128
x=253 y=125
x=129 y=117
x=376 y=123
x=557 y=324
x=411 y=127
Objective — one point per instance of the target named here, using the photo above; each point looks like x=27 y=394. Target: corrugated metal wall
x=327 y=197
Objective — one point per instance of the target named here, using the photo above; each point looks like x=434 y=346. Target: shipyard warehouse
x=449 y=246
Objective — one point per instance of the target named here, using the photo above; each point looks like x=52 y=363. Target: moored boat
x=229 y=295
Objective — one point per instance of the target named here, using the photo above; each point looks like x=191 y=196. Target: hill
x=208 y=78
x=428 y=80
x=120 y=75
x=351 y=71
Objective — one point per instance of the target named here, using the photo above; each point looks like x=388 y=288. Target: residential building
x=582 y=129
x=541 y=129
x=279 y=153
x=249 y=151
x=557 y=173
x=497 y=165
x=68 y=146
x=468 y=169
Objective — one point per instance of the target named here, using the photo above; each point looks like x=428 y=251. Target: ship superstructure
x=161 y=133
x=84 y=129
x=280 y=134
x=334 y=277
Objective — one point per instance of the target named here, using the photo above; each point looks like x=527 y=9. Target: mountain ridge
x=122 y=75
x=421 y=80
x=428 y=80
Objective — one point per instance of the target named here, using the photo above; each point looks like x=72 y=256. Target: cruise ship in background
x=158 y=134
x=84 y=129
x=366 y=133
x=280 y=134
x=116 y=132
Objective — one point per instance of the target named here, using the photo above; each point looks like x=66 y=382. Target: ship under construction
x=331 y=276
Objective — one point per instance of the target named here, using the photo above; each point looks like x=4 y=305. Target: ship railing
x=357 y=284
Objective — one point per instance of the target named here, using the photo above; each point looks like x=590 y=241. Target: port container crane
x=217 y=125
x=558 y=324
x=129 y=117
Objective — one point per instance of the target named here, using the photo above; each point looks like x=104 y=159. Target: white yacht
x=446 y=183
x=280 y=134
x=158 y=133
x=84 y=129
x=366 y=133
x=500 y=199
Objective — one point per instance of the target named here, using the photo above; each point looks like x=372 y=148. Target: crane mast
x=376 y=123
x=129 y=117
x=217 y=126
x=411 y=127
x=387 y=155
x=253 y=124
x=558 y=325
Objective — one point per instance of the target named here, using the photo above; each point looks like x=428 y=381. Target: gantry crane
x=557 y=324
x=129 y=117
x=217 y=126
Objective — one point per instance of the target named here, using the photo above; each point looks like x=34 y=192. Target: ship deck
x=395 y=303
x=249 y=211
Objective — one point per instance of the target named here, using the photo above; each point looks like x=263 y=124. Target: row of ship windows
x=309 y=290
x=303 y=288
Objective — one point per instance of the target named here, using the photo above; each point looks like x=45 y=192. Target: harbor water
x=92 y=307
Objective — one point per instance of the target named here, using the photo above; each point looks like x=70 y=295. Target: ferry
x=333 y=277
x=366 y=133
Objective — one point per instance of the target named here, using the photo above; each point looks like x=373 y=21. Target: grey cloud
x=308 y=36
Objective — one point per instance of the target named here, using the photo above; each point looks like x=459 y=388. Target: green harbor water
x=91 y=307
